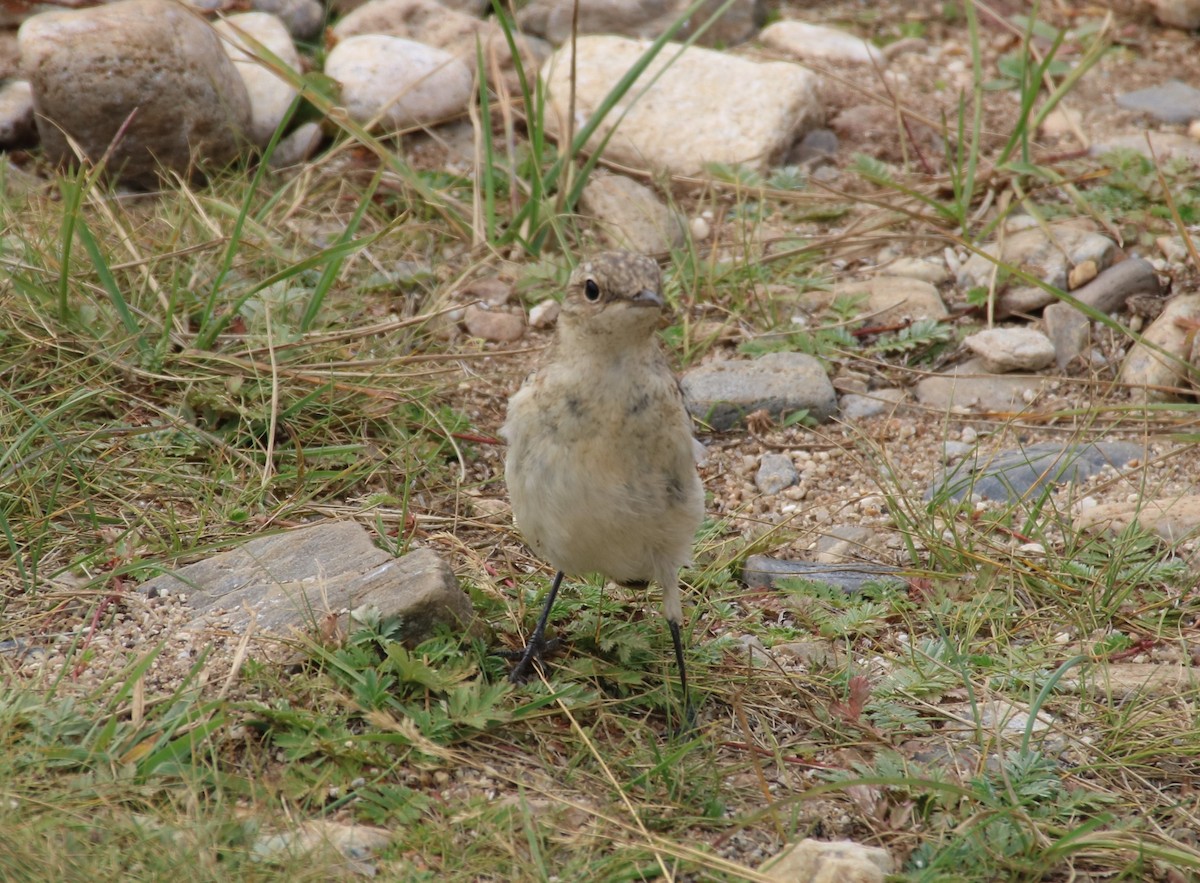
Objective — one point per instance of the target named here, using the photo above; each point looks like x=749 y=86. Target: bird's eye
x=591 y=291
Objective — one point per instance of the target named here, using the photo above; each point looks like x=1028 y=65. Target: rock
x=302 y=18
x=1152 y=376
x=1026 y=472
x=722 y=393
x=435 y=24
x=630 y=215
x=297 y=146
x=17 y=125
x=1182 y=14
x=492 y=290
x=190 y=102
x=544 y=313
x=403 y=83
x=817 y=147
x=813 y=654
x=1070 y=330
x=806 y=42
x=765 y=572
x=500 y=325
x=928 y=270
x=881 y=300
x=1165 y=146
x=860 y=406
x=1049 y=259
x=646 y=19
x=819 y=861
x=845 y=544
x=292 y=580
x=270 y=96
x=1169 y=102
x=357 y=845
x=707 y=107
x=1002 y=350
x=1172 y=518
x=1117 y=682
x=775 y=472
x=969 y=387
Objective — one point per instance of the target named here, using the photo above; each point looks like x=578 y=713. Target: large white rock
x=398 y=81
x=1153 y=370
x=92 y=68
x=270 y=95
x=818 y=43
x=707 y=107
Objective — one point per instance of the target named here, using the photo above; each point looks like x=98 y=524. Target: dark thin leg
x=689 y=713
x=536 y=645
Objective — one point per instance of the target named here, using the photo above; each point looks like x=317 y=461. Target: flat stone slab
x=294 y=580
x=765 y=572
x=690 y=107
x=1019 y=474
x=1172 y=102
x=722 y=393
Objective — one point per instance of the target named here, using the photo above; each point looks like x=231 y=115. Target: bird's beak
x=648 y=298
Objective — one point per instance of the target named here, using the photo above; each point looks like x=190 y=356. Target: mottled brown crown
x=619 y=274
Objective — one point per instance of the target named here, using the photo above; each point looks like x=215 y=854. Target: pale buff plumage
x=600 y=467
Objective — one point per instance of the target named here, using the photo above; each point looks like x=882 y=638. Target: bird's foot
x=535 y=651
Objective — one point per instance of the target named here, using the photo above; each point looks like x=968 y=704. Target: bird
x=601 y=464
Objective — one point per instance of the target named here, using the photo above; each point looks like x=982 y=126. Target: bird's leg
x=689 y=712
x=673 y=608
x=536 y=645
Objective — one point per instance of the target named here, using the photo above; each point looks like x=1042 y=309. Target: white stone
x=1149 y=373
x=17 y=125
x=818 y=43
x=1003 y=350
x=270 y=94
x=707 y=107
x=399 y=82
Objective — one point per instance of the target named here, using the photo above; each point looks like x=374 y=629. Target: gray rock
x=171 y=81
x=631 y=215
x=1152 y=375
x=860 y=406
x=1070 y=330
x=1003 y=350
x=882 y=300
x=1023 y=473
x=293 y=580
x=722 y=393
x=17 y=125
x=270 y=95
x=775 y=472
x=816 y=147
x=302 y=18
x=1048 y=258
x=297 y=146
x=969 y=387
x=765 y=572
x=646 y=19
x=806 y=42
x=1170 y=102
x=707 y=107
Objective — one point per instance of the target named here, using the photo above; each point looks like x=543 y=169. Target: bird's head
x=615 y=293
